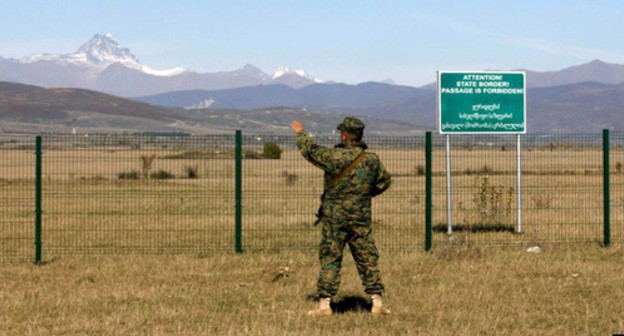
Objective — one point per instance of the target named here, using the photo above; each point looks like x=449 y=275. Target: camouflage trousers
x=337 y=234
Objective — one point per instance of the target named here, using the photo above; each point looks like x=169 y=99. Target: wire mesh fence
x=177 y=194
x=281 y=197
x=118 y=194
x=17 y=203
x=561 y=189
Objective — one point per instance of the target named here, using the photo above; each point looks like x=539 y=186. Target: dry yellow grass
x=88 y=209
x=454 y=291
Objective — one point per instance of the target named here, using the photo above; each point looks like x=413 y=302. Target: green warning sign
x=481 y=102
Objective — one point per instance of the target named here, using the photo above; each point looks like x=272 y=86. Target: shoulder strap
x=357 y=160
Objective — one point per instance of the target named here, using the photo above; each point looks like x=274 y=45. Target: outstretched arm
x=318 y=155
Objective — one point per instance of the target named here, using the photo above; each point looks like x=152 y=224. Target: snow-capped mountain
x=284 y=71
x=293 y=78
x=100 y=52
x=104 y=65
x=102 y=49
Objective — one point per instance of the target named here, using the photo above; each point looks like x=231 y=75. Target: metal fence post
x=38 y=193
x=428 y=193
x=239 y=192
x=606 y=188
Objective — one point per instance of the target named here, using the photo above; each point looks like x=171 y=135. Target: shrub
x=131 y=175
x=146 y=164
x=271 y=151
x=290 y=178
x=420 y=170
x=161 y=175
x=191 y=172
x=486 y=169
x=493 y=203
x=541 y=201
x=249 y=154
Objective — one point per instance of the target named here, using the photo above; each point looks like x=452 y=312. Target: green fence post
x=239 y=192
x=606 y=187
x=428 y=194
x=38 y=197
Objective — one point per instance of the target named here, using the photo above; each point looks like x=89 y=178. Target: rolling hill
x=579 y=107
x=31 y=109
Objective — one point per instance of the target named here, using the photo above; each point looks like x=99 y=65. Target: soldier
x=352 y=178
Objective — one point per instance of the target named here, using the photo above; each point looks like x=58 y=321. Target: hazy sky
x=346 y=41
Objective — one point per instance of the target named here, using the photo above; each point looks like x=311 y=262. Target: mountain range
x=32 y=109
x=583 y=107
x=586 y=106
x=90 y=88
x=595 y=71
x=102 y=64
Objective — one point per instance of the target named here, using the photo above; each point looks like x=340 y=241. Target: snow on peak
x=104 y=49
x=165 y=73
x=101 y=51
x=39 y=57
x=282 y=70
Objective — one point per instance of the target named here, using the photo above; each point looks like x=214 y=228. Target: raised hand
x=297 y=126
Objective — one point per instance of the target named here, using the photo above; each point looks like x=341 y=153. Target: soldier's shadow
x=345 y=304
x=355 y=304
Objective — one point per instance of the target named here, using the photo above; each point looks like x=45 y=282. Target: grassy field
x=456 y=290
x=179 y=278
x=89 y=209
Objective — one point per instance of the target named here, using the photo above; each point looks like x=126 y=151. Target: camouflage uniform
x=345 y=214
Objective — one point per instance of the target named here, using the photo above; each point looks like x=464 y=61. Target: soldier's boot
x=378 y=308
x=323 y=309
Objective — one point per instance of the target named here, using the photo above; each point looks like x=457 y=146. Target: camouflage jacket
x=351 y=198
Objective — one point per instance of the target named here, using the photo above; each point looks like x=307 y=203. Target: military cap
x=352 y=125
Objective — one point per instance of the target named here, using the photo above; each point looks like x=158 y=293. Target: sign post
x=482 y=102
